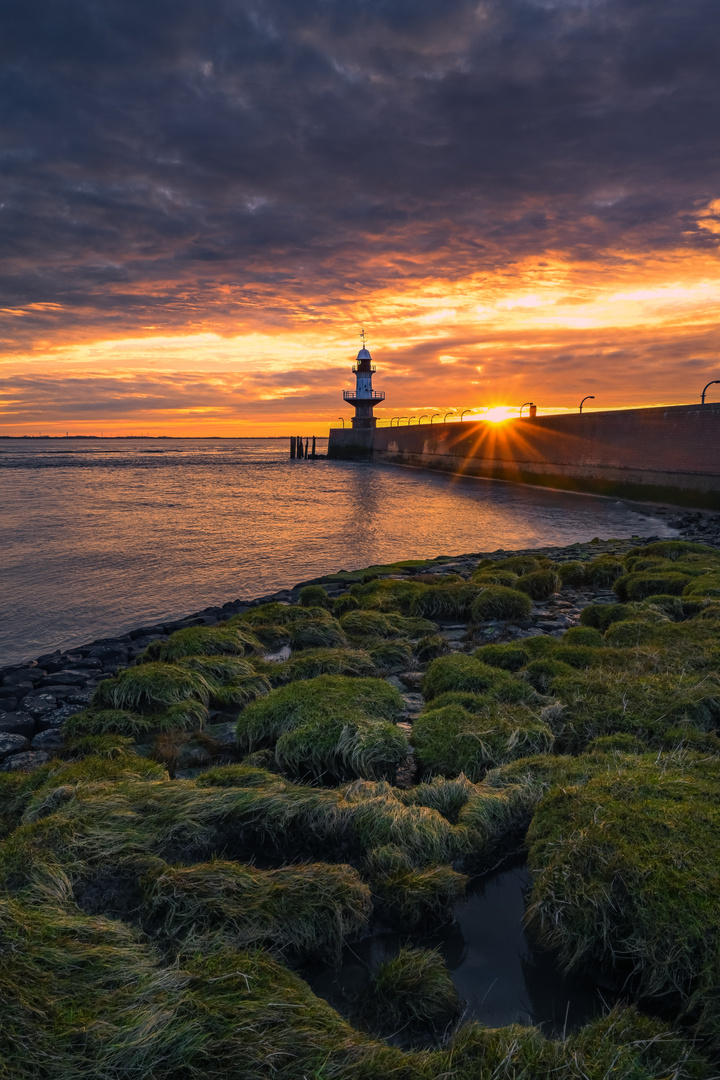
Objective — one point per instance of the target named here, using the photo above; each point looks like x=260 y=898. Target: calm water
x=501 y=974
x=97 y=537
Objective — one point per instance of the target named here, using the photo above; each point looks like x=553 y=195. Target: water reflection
x=98 y=538
x=498 y=969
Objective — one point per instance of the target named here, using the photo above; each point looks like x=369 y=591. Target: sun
x=498 y=414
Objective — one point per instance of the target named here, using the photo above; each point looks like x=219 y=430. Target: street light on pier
x=590 y=397
x=395 y=418
x=463 y=413
x=702 y=399
x=523 y=405
x=423 y=417
x=446 y=416
x=343 y=420
x=433 y=416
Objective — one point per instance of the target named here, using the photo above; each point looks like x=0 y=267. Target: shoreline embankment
x=669 y=455
x=37 y=696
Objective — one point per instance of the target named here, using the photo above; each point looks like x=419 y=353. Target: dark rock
x=23 y=675
x=16 y=690
x=12 y=744
x=65 y=678
x=17 y=723
x=60 y=661
x=58 y=716
x=27 y=762
x=39 y=704
x=50 y=739
x=411 y=679
x=147 y=631
x=8 y=704
x=224 y=734
x=81 y=697
x=109 y=653
x=182 y=624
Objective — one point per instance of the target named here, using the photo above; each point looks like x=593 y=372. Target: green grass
x=108 y=722
x=313 y=596
x=369 y=624
x=391 y=656
x=411 y=896
x=539 y=584
x=674 y=549
x=310 y=663
x=307 y=910
x=446 y=603
x=152 y=688
x=451 y=740
x=582 y=635
x=638 y=586
x=708 y=585
x=317 y=634
x=413 y=991
x=499 y=603
x=516 y=564
x=430 y=647
x=277 y=613
x=458 y=672
x=572 y=574
x=541 y=673
x=448 y=797
x=601 y=573
x=627 y=876
x=510 y=656
x=488 y=576
x=343 y=604
x=224 y=639
x=329 y=724
x=597 y=702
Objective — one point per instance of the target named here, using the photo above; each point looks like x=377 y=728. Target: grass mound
x=108 y=722
x=460 y=673
x=516 y=564
x=446 y=796
x=674 y=549
x=410 y=895
x=636 y=888
x=572 y=574
x=541 y=673
x=430 y=647
x=369 y=624
x=317 y=634
x=539 y=584
x=638 y=586
x=391 y=656
x=452 y=740
x=412 y=991
x=602 y=572
x=596 y=703
x=307 y=910
x=224 y=639
x=497 y=602
x=488 y=576
x=309 y=663
x=445 y=602
x=313 y=596
x=510 y=657
x=328 y=724
x=157 y=687
x=582 y=635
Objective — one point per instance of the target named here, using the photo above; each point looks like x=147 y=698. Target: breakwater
x=662 y=454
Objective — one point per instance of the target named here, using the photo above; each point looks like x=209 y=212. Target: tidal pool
x=499 y=970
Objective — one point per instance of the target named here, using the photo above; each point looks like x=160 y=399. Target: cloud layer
x=288 y=167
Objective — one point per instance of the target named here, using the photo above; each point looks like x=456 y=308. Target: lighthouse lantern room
x=363 y=397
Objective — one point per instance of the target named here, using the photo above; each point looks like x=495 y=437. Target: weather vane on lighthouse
x=363 y=397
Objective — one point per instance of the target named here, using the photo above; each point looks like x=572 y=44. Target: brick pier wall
x=667 y=454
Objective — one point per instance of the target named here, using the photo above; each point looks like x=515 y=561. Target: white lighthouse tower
x=363 y=397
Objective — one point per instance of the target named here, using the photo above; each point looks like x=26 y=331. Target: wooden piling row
x=298 y=450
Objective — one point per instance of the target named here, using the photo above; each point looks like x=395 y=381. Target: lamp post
x=590 y=397
x=463 y=413
x=423 y=417
x=343 y=420
x=401 y=418
x=411 y=420
x=394 y=418
x=433 y=416
x=702 y=399
x=523 y=405
x=446 y=416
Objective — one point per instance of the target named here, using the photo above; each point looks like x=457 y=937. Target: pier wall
x=662 y=454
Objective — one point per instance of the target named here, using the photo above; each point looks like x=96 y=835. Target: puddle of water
x=501 y=974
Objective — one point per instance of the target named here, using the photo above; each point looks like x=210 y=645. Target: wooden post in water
x=292 y=446
x=306 y=447
x=313 y=449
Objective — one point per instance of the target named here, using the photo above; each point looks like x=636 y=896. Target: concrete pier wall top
x=669 y=454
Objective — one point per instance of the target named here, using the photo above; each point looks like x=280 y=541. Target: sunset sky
x=203 y=201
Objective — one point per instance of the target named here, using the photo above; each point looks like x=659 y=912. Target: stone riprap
x=37 y=697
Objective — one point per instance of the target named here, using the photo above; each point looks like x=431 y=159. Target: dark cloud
x=297 y=152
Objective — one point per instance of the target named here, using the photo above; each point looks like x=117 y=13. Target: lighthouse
x=363 y=397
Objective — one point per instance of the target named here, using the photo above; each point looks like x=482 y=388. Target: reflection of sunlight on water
x=98 y=539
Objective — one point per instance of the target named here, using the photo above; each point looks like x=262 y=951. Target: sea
x=98 y=536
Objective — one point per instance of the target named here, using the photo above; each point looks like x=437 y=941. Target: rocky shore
x=37 y=697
